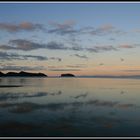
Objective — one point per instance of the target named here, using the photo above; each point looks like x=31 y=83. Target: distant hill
x=11 y=74
x=67 y=75
x=22 y=74
x=1 y=74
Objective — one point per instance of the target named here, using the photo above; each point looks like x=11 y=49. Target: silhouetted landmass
x=22 y=74
x=1 y=74
x=9 y=86
x=9 y=74
x=67 y=75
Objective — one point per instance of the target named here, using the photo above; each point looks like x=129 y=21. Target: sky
x=79 y=38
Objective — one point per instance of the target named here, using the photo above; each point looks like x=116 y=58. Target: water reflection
x=122 y=92
x=27 y=107
x=15 y=128
x=107 y=121
x=81 y=95
x=14 y=96
x=75 y=107
x=57 y=93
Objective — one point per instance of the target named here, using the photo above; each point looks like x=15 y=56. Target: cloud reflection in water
x=27 y=107
x=13 y=96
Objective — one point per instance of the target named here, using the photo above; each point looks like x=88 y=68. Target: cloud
x=92 y=50
x=76 y=66
x=11 y=56
x=136 y=31
x=121 y=59
x=112 y=39
x=6 y=56
x=55 y=46
x=64 y=69
x=62 y=31
x=132 y=70
x=23 y=26
x=105 y=29
x=60 y=46
x=62 y=28
x=7 y=47
x=85 y=30
x=126 y=46
x=66 y=24
x=14 y=56
x=55 y=58
x=80 y=56
x=76 y=48
x=101 y=48
x=25 y=45
x=41 y=58
x=19 y=68
x=54 y=67
x=101 y=64
x=67 y=28
x=30 y=26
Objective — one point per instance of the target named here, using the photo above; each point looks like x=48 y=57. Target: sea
x=69 y=107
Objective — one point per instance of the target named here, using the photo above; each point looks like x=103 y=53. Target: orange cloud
x=126 y=46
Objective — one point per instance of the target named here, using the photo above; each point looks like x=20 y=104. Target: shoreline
x=58 y=77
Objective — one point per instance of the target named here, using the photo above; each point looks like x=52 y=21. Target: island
x=67 y=75
x=22 y=74
x=1 y=74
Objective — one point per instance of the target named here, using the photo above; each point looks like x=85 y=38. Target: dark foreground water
x=69 y=107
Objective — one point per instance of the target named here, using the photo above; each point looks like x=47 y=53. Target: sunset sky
x=78 y=38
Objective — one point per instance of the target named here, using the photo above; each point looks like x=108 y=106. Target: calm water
x=70 y=107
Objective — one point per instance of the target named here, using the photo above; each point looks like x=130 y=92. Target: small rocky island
x=67 y=75
x=22 y=74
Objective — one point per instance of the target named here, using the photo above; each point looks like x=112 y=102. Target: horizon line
x=69 y=1
x=134 y=75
